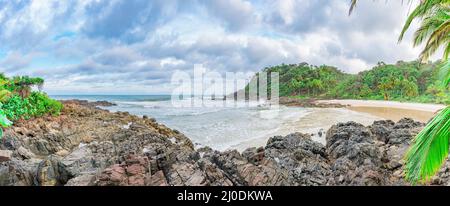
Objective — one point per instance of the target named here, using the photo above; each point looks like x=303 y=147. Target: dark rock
x=90 y=104
x=301 y=160
x=368 y=156
x=382 y=129
x=254 y=155
x=18 y=172
x=443 y=177
x=51 y=172
x=297 y=102
x=90 y=146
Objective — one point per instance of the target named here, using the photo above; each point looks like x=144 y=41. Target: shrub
x=18 y=102
x=44 y=105
x=36 y=105
x=4 y=122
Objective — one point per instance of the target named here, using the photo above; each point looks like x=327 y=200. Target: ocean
x=223 y=128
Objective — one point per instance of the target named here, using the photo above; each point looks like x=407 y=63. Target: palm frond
x=4 y=94
x=424 y=8
x=429 y=150
x=445 y=72
x=352 y=6
x=433 y=23
x=436 y=28
x=446 y=52
x=431 y=146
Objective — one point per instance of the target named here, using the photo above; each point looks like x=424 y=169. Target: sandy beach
x=390 y=109
x=316 y=122
x=361 y=111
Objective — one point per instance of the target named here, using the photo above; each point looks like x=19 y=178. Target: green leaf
x=429 y=150
x=445 y=73
x=4 y=122
x=4 y=94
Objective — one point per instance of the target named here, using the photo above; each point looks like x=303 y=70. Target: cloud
x=235 y=14
x=134 y=46
x=14 y=62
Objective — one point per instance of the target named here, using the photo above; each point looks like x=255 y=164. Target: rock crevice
x=91 y=146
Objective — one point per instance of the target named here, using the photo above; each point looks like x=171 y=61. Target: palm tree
x=430 y=147
x=22 y=85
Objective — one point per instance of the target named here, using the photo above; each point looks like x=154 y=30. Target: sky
x=134 y=46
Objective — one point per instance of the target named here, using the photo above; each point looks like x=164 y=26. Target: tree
x=385 y=86
x=430 y=148
x=4 y=93
x=22 y=85
x=316 y=86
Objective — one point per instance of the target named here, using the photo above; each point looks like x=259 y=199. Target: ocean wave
x=180 y=112
x=146 y=104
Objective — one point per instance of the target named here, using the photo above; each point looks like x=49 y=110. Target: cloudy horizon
x=134 y=46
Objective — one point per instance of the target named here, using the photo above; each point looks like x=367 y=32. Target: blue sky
x=134 y=46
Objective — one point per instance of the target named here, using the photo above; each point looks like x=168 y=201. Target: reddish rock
x=157 y=179
x=132 y=172
x=135 y=169
x=117 y=173
x=113 y=176
x=136 y=180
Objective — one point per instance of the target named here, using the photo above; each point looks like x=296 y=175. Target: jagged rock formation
x=90 y=146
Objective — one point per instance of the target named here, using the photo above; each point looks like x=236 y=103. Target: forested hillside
x=403 y=81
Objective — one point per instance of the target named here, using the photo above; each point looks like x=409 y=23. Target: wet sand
x=318 y=120
x=392 y=110
x=395 y=114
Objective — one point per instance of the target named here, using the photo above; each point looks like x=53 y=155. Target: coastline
x=88 y=146
x=391 y=110
x=428 y=107
x=315 y=123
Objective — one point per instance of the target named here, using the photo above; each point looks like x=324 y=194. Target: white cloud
x=103 y=45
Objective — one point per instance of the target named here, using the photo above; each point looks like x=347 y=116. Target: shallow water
x=239 y=127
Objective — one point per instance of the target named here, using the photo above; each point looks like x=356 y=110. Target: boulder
x=25 y=153
x=132 y=172
x=157 y=179
x=18 y=172
x=186 y=174
x=89 y=146
x=299 y=160
x=82 y=180
x=5 y=155
x=51 y=172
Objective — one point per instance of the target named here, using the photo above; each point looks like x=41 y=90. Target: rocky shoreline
x=309 y=102
x=90 y=146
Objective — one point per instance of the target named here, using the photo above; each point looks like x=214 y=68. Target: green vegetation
x=4 y=122
x=18 y=101
x=431 y=146
x=404 y=81
x=430 y=149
